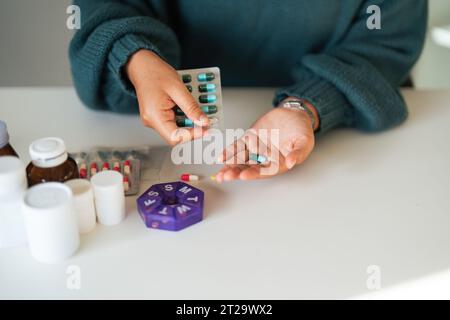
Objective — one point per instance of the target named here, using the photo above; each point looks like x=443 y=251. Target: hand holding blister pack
x=204 y=85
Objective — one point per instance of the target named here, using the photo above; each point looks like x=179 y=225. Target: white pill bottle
x=13 y=185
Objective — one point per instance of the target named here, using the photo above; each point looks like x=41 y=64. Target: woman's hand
x=284 y=136
x=158 y=89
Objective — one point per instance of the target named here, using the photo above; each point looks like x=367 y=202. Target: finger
x=182 y=135
x=239 y=158
x=183 y=99
x=293 y=158
x=231 y=150
x=258 y=144
x=229 y=172
x=170 y=132
x=251 y=141
x=233 y=173
x=251 y=173
x=219 y=177
x=167 y=129
x=296 y=153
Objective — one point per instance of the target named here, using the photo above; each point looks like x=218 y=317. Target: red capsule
x=126 y=184
x=189 y=177
x=116 y=166
x=94 y=168
x=127 y=167
x=83 y=173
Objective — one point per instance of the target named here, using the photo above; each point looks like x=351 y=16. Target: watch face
x=294 y=104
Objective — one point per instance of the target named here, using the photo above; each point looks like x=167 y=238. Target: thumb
x=182 y=97
x=293 y=158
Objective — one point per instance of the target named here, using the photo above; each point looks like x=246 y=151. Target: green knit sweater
x=319 y=50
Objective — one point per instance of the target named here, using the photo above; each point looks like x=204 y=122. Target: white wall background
x=34 y=40
x=33 y=43
x=433 y=68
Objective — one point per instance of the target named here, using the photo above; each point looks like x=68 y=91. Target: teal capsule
x=178 y=111
x=209 y=109
x=257 y=157
x=189 y=87
x=186 y=78
x=206 y=109
x=209 y=76
x=207 y=98
x=209 y=87
x=185 y=122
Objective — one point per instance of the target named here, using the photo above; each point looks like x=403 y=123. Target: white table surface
x=360 y=200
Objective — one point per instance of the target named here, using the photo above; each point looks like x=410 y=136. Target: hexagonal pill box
x=171 y=206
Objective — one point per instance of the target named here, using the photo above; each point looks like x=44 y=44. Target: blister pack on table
x=137 y=164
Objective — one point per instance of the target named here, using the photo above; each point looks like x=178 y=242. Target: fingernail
x=290 y=164
x=203 y=120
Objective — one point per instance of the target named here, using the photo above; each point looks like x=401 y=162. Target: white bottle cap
x=50 y=222
x=109 y=197
x=84 y=204
x=12 y=175
x=48 y=152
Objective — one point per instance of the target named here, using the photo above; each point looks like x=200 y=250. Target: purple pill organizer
x=171 y=206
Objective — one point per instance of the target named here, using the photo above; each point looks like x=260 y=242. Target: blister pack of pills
x=137 y=164
x=204 y=84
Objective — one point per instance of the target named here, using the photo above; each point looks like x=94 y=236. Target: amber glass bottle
x=50 y=162
x=5 y=147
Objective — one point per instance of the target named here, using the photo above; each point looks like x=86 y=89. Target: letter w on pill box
x=204 y=85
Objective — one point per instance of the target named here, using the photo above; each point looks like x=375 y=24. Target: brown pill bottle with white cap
x=50 y=162
x=5 y=147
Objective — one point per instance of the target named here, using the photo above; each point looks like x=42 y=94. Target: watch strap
x=300 y=105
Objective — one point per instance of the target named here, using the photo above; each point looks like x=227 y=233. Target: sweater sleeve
x=111 y=31
x=354 y=80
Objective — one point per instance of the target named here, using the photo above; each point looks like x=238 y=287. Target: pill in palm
x=258 y=158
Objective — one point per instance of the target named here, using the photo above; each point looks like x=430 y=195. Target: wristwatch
x=300 y=105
